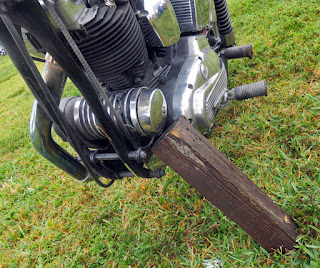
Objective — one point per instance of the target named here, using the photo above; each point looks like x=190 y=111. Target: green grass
x=49 y=220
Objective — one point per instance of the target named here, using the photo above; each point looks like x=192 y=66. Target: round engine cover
x=148 y=110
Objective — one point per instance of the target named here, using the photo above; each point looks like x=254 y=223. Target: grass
x=49 y=220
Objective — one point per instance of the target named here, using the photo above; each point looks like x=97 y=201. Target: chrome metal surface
x=230 y=39
x=31 y=48
x=152 y=111
x=40 y=126
x=162 y=19
x=110 y=3
x=199 y=86
x=216 y=96
x=142 y=109
x=74 y=14
x=133 y=100
x=186 y=14
x=195 y=15
x=205 y=13
x=86 y=122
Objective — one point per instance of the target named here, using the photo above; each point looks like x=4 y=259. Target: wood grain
x=203 y=166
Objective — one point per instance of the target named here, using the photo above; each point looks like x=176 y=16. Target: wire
x=87 y=68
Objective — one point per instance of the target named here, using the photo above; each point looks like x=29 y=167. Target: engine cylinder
x=114 y=46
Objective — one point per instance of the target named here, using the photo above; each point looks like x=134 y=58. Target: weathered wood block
x=189 y=154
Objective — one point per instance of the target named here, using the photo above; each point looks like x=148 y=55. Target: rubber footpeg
x=238 y=52
x=248 y=91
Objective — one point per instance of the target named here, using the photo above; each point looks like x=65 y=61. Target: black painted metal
x=115 y=48
x=30 y=15
x=93 y=79
x=38 y=87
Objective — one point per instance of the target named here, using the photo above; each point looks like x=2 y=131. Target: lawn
x=49 y=220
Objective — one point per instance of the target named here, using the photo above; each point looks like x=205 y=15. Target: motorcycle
x=139 y=66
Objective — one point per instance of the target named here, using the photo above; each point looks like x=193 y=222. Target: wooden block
x=203 y=166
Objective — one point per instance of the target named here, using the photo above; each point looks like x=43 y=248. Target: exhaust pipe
x=40 y=126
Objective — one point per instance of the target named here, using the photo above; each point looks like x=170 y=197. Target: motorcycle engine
x=152 y=59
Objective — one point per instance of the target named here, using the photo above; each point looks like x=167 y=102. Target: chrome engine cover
x=152 y=16
x=197 y=83
x=194 y=15
x=74 y=14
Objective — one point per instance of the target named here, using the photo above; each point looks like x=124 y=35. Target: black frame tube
x=18 y=53
x=30 y=15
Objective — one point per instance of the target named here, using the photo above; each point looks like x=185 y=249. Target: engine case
x=196 y=83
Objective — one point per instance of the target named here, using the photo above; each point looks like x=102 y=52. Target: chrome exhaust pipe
x=41 y=124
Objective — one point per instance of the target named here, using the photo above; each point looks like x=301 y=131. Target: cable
x=87 y=68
